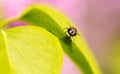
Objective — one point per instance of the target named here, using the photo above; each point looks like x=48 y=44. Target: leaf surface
x=30 y=50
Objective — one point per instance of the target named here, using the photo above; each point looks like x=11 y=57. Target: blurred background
x=98 y=20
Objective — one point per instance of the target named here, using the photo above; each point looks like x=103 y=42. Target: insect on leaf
x=55 y=22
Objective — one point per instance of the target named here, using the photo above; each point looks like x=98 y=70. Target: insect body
x=72 y=31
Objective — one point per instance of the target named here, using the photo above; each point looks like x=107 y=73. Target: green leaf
x=29 y=50
x=4 y=64
x=4 y=23
x=55 y=22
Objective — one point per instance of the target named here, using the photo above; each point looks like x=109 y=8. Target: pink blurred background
x=98 y=20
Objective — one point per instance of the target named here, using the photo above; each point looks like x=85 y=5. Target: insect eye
x=72 y=31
